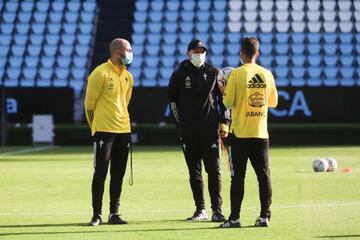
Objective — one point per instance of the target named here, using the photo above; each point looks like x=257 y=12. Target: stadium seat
x=204 y=37
x=217 y=60
x=152 y=49
x=151 y=61
x=187 y=27
x=170 y=27
x=266 y=5
x=63 y=61
x=266 y=27
x=282 y=16
x=171 y=16
x=266 y=48
x=220 y=5
x=234 y=16
x=234 y=27
x=168 y=49
x=16 y=61
x=266 y=16
x=188 y=5
x=202 y=27
x=155 y=16
x=47 y=61
x=282 y=26
x=266 y=60
x=234 y=37
x=282 y=71
x=282 y=60
x=346 y=60
x=314 y=60
x=232 y=60
x=282 y=48
x=313 y=5
x=330 y=60
x=33 y=50
x=298 y=60
x=219 y=16
x=282 y=5
x=313 y=16
x=140 y=16
x=235 y=5
x=314 y=27
x=250 y=16
x=141 y=5
x=18 y=50
x=168 y=61
x=298 y=27
x=187 y=16
x=314 y=48
x=172 y=5
x=186 y=38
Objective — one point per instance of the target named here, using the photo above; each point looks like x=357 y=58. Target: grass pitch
x=45 y=194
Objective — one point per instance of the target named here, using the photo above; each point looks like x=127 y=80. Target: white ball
x=223 y=76
x=320 y=165
x=332 y=164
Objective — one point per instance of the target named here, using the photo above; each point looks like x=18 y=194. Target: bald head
x=119 y=44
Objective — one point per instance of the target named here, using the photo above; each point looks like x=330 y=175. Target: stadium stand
x=305 y=43
x=41 y=43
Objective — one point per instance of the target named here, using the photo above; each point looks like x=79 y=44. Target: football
x=320 y=165
x=332 y=164
x=223 y=76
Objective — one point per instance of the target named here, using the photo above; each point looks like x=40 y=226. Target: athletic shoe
x=230 y=224
x=199 y=215
x=95 y=220
x=217 y=217
x=262 y=222
x=115 y=219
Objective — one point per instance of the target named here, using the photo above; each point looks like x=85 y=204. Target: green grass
x=46 y=195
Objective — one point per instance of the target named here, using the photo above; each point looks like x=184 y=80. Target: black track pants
x=255 y=149
x=114 y=147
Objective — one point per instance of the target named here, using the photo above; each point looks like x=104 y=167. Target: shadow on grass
x=340 y=236
x=99 y=230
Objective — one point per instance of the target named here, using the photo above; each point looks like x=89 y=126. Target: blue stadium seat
x=6 y=28
x=203 y=16
x=155 y=16
x=346 y=60
x=151 y=61
x=217 y=60
x=313 y=37
x=165 y=73
x=152 y=49
x=15 y=61
x=11 y=6
x=141 y=5
x=85 y=28
x=217 y=49
x=220 y=5
x=168 y=49
x=314 y=60
x=168 y=61
x=347 y=77
x=186 y=38
x=55 y=17
x=82 y=50
x=330 y=60
x=137 y=38
x=219 y=16
x=346 y=48
x=40 y=17
x=157 y=5
x=203 y=6
x=74 y=6
x=282 y=81
x=282 y=60
x=70 y=28
x=233 y=49
x=172 y=5
x=186 y=27
x=3 y=61
x=23 y=28
x=202 y=27
x=298 y=38
x=169 y=38
x=87 y=17
x=217 y=37
x=154 y=38
x=171 y=16
x=330 y=72
x=53 y=28
x=52 y=39
x=33 y=50
x=203 y=36
x=36 y=39
x=330 y=49
x=24 y=17
x=78 y=73
x=329 y=38
x=58 y=6
x=26 y=6
x=298 y=60
x=188 y=5
x=68 y=39
x=170 y=27
x=4 y=50
x=38 y=28
x=232 y=60
x=49 y=50
x=148 y=82
x=266 y=60
x=21 y=39
x=266 y=48
x=187 y=16
x=282 y=48
x=14 y=73
x=18 y=50
x=281 y=38
x=84 y=39
x=298 y=72
x=138 y=49
x=28 y=78
x=265 y=38
x=136 y=72
x=71 y=17
x=154 y=27
x=218 y=26
x=31 y=61
x=42 y=6
x=282 y=72
x=63 y=62
x=234 y=37
x=345 y=37
x=47 y=61
x=314 y=48
x=139 y=27
x=140 y=16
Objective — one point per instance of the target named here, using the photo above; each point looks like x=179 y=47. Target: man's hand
x=224 y=130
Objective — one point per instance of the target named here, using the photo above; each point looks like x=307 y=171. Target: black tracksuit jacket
x=196 y=101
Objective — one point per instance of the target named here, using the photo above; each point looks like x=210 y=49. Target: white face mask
x=198 y=59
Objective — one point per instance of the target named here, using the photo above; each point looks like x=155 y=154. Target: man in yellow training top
x=250 y=91
x=108 y=93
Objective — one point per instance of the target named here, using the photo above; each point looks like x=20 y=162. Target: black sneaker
x=262 y=222
x=95 y=220
x=199 y=215
x=217 y=217
x=230 y=224
x=115 y=219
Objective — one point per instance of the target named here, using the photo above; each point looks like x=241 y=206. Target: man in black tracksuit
x=195 y=101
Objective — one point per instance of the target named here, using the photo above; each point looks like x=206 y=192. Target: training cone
x=347 y=170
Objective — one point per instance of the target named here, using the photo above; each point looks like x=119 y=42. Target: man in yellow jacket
x=250 y=91
x=108 y=93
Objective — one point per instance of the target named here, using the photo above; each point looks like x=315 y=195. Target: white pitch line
x=181 y=210
x=33 y=149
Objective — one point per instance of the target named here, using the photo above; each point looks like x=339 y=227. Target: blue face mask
x=127 y=60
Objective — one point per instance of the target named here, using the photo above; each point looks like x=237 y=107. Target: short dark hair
x=249 y=46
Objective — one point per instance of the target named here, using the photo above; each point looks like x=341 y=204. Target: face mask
x=127 y=60
x=198 y=59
